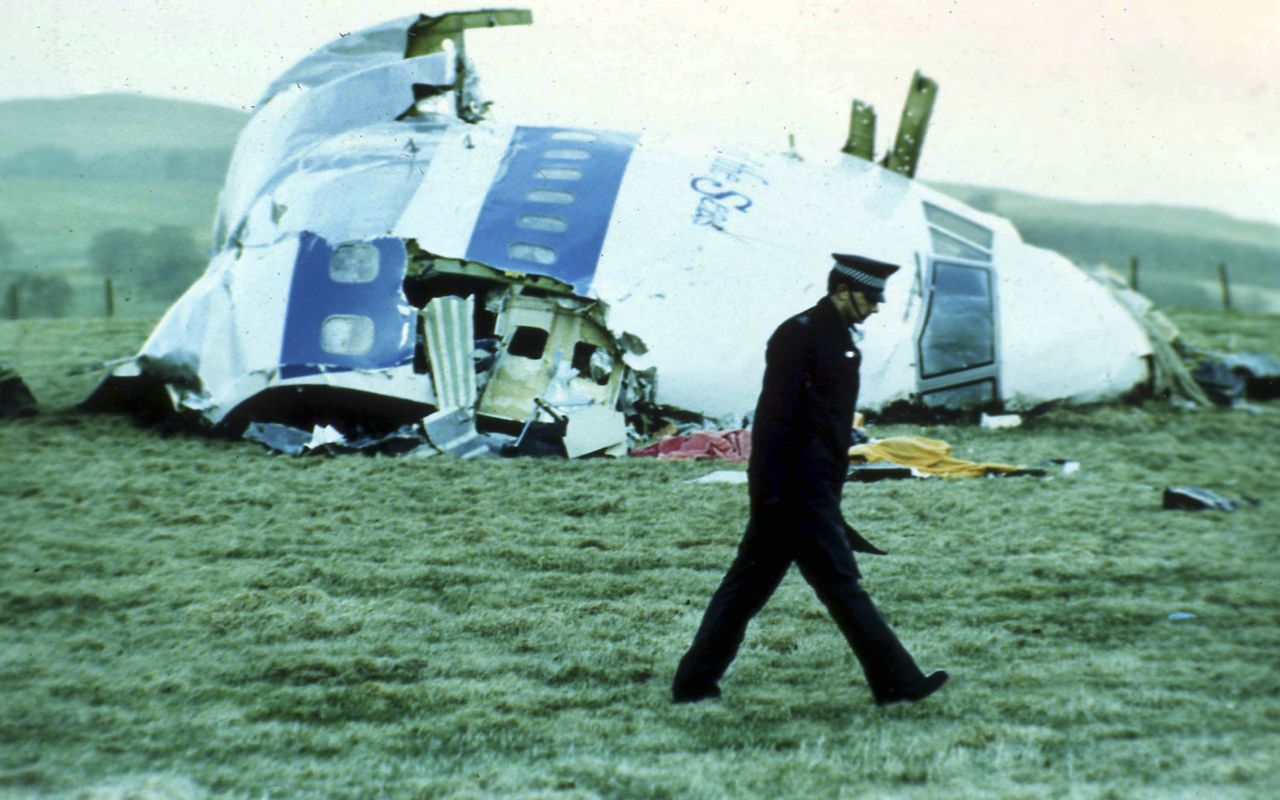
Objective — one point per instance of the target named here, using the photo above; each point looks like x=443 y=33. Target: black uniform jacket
x=800 y=433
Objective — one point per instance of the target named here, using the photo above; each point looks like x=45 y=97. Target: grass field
x=189 y=617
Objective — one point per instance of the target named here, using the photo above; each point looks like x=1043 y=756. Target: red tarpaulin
x=734 y=445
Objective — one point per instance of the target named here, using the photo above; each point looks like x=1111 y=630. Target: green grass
x=188 y=617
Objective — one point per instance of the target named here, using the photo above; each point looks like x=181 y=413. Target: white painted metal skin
x=707 y=249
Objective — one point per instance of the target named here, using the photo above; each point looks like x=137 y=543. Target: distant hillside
x=1178 y=249
x=73 y=168
x=107 y=123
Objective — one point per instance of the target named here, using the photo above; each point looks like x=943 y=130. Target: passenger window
x=346 y=335
x=533 y=253
x=354 y=263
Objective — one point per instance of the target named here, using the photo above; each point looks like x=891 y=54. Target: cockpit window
x=959 y=226
x=959 y=329
x=951 y=247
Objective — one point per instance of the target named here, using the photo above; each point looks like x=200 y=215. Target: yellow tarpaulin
x=930 y=456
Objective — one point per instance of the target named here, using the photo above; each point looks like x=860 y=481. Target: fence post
x=1133 y=273
x=1226 y=286
x=109 y=292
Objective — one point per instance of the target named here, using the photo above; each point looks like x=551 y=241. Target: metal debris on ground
x=869 y=473
x=328 y=440
x=1180 y=615
x=453 y=432
x=1195 y=498
x=1261 y=372
x=1223 y=385
x=1230 y=378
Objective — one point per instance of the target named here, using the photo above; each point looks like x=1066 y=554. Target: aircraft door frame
x=958 y=343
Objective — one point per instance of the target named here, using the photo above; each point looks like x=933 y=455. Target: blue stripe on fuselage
x=314 y=297
x=537 y=211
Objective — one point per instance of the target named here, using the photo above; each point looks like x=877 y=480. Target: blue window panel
x=569 y=175
x=314 y=297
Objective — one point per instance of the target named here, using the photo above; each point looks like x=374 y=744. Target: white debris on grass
x=993 y=422
x=722 y=476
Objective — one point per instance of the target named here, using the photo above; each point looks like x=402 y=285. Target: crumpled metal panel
x=276 y=139
x=380 y=167
x=381 y=44
x=448 y=327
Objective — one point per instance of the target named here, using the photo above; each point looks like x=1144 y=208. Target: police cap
x=867 y=275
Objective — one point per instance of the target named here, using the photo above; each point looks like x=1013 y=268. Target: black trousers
x=776 y=537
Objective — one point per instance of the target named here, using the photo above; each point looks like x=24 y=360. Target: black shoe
x=932 y=683
x=687 y=695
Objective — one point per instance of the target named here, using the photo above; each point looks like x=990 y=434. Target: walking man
x=799 y=456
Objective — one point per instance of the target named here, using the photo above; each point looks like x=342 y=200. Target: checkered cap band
x=864 y=278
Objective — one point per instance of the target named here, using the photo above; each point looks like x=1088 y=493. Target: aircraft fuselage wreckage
x=383 y=253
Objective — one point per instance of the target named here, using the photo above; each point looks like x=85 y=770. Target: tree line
x=158 y=264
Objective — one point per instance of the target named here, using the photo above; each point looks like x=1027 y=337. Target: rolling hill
x=71 y=168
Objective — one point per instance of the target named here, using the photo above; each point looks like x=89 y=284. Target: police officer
x=799 y=456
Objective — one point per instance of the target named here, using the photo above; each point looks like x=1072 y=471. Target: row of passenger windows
x=541 y=254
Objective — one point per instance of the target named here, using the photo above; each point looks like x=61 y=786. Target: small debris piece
x=1261 y=372
x=594 y=428
x=328 y=440
x=453 y=431
x=322 y=435
x=16 y=400
x=1068 y=467
x=722 y=476
x=868 y=473
x=1195 y=498
x=1177 y=615
x=992 y=422
x=1034 y=472
x=1223 y=384
x=276 y=437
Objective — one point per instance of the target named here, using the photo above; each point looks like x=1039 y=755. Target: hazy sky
x=1175 y=102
